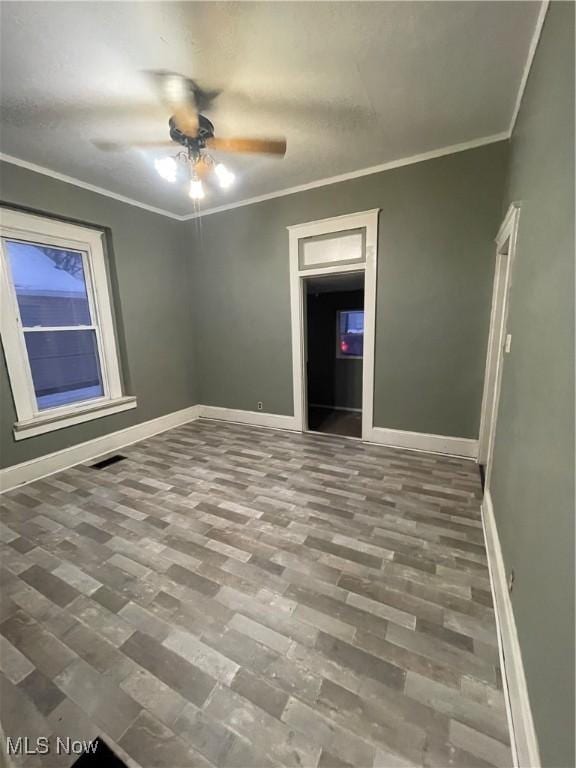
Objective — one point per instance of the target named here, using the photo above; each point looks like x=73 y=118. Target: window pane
x=65 y=367
x=328 y=249
x=351 y=333
x=50 y=284
x=353 y=322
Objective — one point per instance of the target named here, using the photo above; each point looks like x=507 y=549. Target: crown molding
x=84 y=185
x=411 y=160
x=529 y=61
x=391 y=165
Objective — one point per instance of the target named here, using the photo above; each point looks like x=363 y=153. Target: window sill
x=51 y=421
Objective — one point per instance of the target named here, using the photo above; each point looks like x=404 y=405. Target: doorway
x=334 y=352
x=499 y=340
x=336 y=247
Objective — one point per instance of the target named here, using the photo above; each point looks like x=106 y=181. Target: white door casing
x=367 y=223
x=505 y=251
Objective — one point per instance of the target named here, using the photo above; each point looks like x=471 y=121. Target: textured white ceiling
x=349 y=84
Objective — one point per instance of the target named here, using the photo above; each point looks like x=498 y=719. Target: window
x=347 y=247
x=57 y=327
x=350 y=333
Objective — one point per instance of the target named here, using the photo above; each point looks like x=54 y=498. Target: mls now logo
x=24 y=745
x=68 y=746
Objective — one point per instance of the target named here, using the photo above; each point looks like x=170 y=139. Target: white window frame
x=339 y=354
x=17 y=225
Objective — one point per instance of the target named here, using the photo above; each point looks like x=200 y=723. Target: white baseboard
x=420 y=441
x=256 y=418
x=525 y=750
x=35 y=469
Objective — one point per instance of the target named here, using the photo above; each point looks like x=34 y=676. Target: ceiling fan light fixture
x=224 y=176
x=167 y=168
x=196 y=189
x=194 y=135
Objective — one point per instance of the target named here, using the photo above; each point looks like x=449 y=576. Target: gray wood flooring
x=235 y=596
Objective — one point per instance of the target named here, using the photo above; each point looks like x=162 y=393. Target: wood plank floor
x=235 y=596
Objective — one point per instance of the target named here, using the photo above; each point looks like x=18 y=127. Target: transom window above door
x=346 y=247
x=57 y=326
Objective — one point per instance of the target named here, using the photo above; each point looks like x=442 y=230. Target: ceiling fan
x=194 y=132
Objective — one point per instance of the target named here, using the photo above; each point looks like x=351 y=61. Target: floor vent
x=103 y=463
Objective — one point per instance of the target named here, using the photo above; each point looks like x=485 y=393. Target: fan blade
x=258 y=146
x=122 y=146
x=178 y=93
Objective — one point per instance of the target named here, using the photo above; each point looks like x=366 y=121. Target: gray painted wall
x=212 y=296
x=533 y=479
x=152 y=283
x=331 y=380
x=436 y=234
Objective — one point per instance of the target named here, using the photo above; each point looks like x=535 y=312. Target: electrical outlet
x=259 y=405
x=511 y=578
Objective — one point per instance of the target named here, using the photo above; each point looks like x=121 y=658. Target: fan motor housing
x=205 y=132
